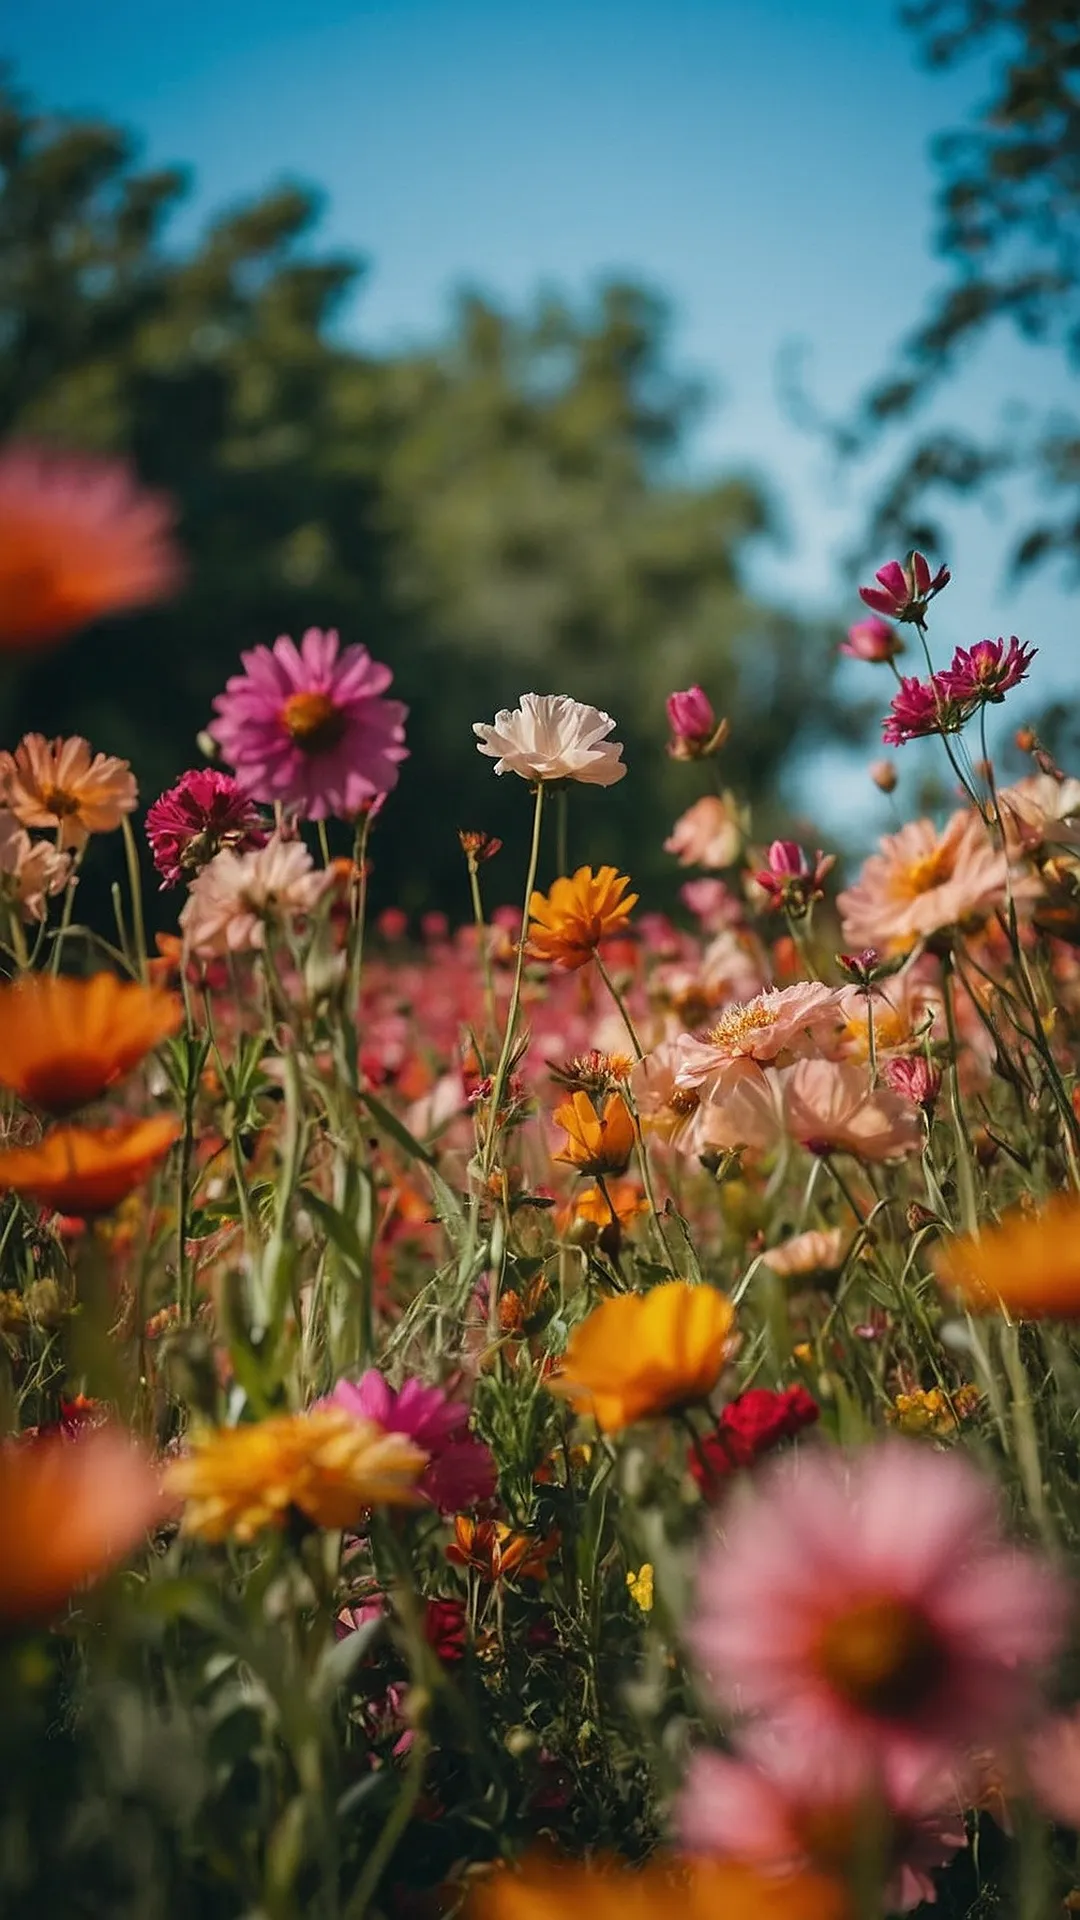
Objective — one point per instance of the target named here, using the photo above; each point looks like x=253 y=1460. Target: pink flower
x=307 y=727
x=461 y=1471
x=987 y=671
x=872 y=640
x=920 y=708
x=708 y=834
x=922 y=881
x=694 y=729
x=30 y=870
x=188 y=825
x=784 y=1020
x=790 y=878
x=713 y=903
x=830 y=1107
x=237 y=894
x=904 y=592
x=914 y=1079
x=873 y=1599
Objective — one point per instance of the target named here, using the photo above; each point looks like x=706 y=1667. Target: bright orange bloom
x=78 y=538
x=569 y=923
x=590 y=1206
x=87 y=1170
x=667 y=1889
x=58 y=783
x=496 y=1552
x=595 y=1142
x=69 y=1510
x=327 y=1464
x=63 y=1041
x=641 y=1354
x=1030 y=1264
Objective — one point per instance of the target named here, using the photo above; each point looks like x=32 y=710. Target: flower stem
x=499 y=1081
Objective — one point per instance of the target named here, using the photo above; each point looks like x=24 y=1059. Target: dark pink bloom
x=461 y=1472
x=914 y=1079
x=872 y=640
x=307 y=727
x=792 y=879
x=904 y=592
x=988 y=670
x=750 y=1426
x=693 y=724
x=188 y=825
x=922 y=707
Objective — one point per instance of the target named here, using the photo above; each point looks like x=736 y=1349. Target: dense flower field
x=575 y=1411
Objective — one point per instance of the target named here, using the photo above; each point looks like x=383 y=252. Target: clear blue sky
x=764 y=162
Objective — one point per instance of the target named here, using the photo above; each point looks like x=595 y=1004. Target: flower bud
x=884 y=775
x=872 y=640
x=695 y=730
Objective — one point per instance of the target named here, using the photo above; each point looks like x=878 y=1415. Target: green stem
x=499 y=1082
x=138 y=925
x=482 y=945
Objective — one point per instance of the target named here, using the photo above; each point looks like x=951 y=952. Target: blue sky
x=764 y=163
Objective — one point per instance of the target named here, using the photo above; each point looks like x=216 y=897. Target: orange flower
x=57 y=783
x=641 y=1354
x=495 y=1551
x=87 y=1170
x=595 y=1143
x=1030 y=1264
x=569 y=923
x=78 y=538
x=63 y=1041
x=69 y=1510
x=590 y=1205
x=666 y=1889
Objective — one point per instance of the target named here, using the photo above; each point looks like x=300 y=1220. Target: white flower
x=237 y=892
x=551 y=737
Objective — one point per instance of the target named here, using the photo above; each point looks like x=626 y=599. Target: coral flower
x=87 y=1170
x=232 y=900
x=460 y=1470
x=595 y=1142
x=642 y=1354
x=70 y=1509
x=1030 y=1264
x=818 y=1250
x=63 y=1041
x=666 y=1889
x=569 y=923
x=326 y=1464
x=874 y=1599
x=308 y=726
x=708 y=834
x=205 y=811
x=78 y=539
x=30 y=870
x=59 y=784
x=921 y=882
x=552 y=737
x=785 y=1021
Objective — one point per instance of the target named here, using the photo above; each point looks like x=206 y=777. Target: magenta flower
x=872 y=640
x=461 y=1472
x=188 y=825
x=791 y=878
x=694 y=727
x=914 y=1079
x=307 y=726
x=988 y=670
x=905 y=592
x=922 y=707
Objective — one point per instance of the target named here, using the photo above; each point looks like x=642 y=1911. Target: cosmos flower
x=642 y=1354
x=205 y=811
x=872 y=640
x=921 y=708
x=987 y=671
x=71 y=1508
x=63 y=1041
x=830 y=1107
x=237 y=895
x=905 y=592
x=922 y=880
x=60 y=785
x=782 y=1021
x=576 y=914
x=1029 y=1264
x=708 y=834
x=460 y=1470
x=595 y=1142
x=549 y=736
x=31 y=871
x=87 y=1170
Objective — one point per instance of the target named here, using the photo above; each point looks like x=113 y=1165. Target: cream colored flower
x=232 y=899
x=551 y=737
x=30 y=870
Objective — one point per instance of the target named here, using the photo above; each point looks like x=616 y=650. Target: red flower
x=750 y=1426
x=444 y=1628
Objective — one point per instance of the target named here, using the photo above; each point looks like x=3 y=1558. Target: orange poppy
x=595 y=1142
x=69 y=1510
x=87 y=1170
x=668 y=1888
x=61 y=784
x=569 y=922
x=63 y=1041
x=495 y=1551
x=1030 y=1264
x=641 y=1354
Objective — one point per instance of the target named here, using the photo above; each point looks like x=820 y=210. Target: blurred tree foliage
x=498 y=512
x=1009 y=225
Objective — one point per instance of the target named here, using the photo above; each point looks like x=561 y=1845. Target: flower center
x=60 y=802
x=739 y=1024
x=313 y=721
x=922 y=876
x=882 y=1656
x=684 y=1101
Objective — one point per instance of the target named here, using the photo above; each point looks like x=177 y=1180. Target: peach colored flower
x=830 y=1107
x=60 y=784
x=743 y=1108
x=819 y=1250
x=70 y=1509
x=233 y=897
x=30 y=870
x=784 y=1021
x=1040 y=811
x=708 y=834
x=922 y=881
x=667 y=1111
x=904 y=1009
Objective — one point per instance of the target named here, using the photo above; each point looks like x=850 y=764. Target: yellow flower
x=667 y=1889
x=327 y=1464
x=929 y=1410
x=595 y=1142
x=641 y=1587
x=1029 y=1265
x=569 y=923
x=641 y=1354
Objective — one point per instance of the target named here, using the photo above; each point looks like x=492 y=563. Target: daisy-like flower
x=642 y=1354
x=922 y=881
x=569 y=922
x=206 y=811
x=496 y=1552
x=460 y=1470
x=30 y=870
x=666 y=1889
x=63 y=1041
x=70 y=1509
x=61 y=784
x=232 y=900
x=905 y=592
x=87 y=1170
x=782 y=1021
x=923 y=707
x=830 y=1107
x=751 y=1425
x=873 y=1600
x=1040 y=811
x=326 y=1464
x=708 y=834
x=552 y=737
x=79 y=538
x=307 y=726
x=1029 y=1264
x=987 y=671
x=595 y=1142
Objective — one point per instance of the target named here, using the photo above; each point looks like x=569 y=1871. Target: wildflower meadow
x=570 y=1412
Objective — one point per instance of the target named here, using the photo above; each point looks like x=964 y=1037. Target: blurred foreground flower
x=205 y=811
x=666 y=1889
x=569 y=922
x=1029 y=1265
x=79 y=538
x=595 y=1142
x=326 y=1464
x=87 y=1170
x=641 y=1354
x=460 y=1470
x=872 y=640
x=905 y=592
x=70 y=1508
x=551 y=737
x=64 y=1041
x=60 y=784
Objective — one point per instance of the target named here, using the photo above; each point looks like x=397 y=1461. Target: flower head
x=905 y=592
x=595 y=1142
x=987 y=671
x=59 y=784
x=460 y=1470
x=830 y=1107
x=63 y=1041
x=708 y=834
x=205 y=811
x=496 y=1552
x=923 y=880
x=87 y=1170
x=326 y=1464
x=1030 y=1264
x=791 y=878
x=551 y=737
x=641 y=1354
x=913 y=1077
x=569 y=922
x=872 y=640
x=666 y=1889
x=818 y=1250
x=785 y=1021
x=234 y=898
x=923 y=707
x=751 y=1425
x=78 y=539
x=307 y=726
x=71 y=1507
x=694 y=727
x=30 y=870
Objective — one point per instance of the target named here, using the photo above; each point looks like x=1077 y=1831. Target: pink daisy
x=461 y=1471
x=307 y=726
x=873 y=1598
x=188 y=825
x=783 y=1021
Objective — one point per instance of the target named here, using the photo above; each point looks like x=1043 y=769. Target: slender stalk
x=639 y=1051
x=499 y=1081
x=562 y=811
x=138 y=924
x=483 y=948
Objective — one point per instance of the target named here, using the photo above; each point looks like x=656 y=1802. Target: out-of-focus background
x=600 y=347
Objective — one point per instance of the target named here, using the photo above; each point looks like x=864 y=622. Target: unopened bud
x=884 y=775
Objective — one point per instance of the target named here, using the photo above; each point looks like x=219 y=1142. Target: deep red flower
x=205 y=811
x=987 y=671
x=444 y=1628
x=750 y=1426
x=922 y=707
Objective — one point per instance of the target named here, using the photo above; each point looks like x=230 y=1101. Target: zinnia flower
x=205 y=811
x=905 y=592
x=59 y=784
x=642 y=1354
x=921 y=882
x=666 y=1889
x=1030 y=1264
x=63 y=1041
x=595 y=1142
x=327 y=1464
x=30 y=870
x=570 y=921
x=71 y=1507
x=87 y=1170
x=750 y=1426
x=873 y=1599
x=708 y=834
x=460 y=1470
x=551 y=737
x=234 y=898
x=307 y=726
x=78 y=539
